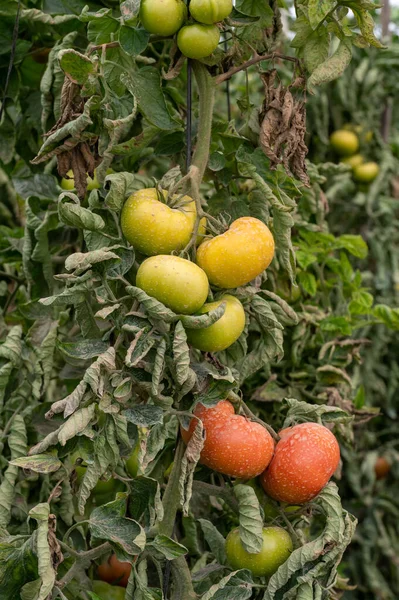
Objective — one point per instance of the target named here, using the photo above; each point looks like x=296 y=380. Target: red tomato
x=381 y=467
x=234 y=445
x=304 y=461
x=114 y=571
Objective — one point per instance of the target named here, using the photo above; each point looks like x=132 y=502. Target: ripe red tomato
x=197 y=40
x=238 y=255
x=276 y=549
x=304 y=461
x=382 y=467
x=234 y=445
x=115 y=571
x=163 y=17
x=224 y=332
x=210 y=11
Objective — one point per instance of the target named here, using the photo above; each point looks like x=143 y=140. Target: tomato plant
x=276 y=549
x=197 y=40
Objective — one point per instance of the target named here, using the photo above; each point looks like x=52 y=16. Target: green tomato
x=176 y=282
x=224 y=332
x=287 y=291
x=198 y=41
x=132 y=463
x=210 y=11
x=153 y=227
x=366 y=173
x=345 y=143
x=276 y=549
x=163 y=17
x=92 y=184
x=108 y=592
x=353 y=161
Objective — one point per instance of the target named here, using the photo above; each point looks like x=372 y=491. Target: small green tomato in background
x=345 y=143
x=210 y=11
x=108 y=592
x=353 y=161
x=366 y=173
x=92 y=184
x=224 y=332
x=276 y=549
x=198 y=41
x=163 y=17
x=176 y=282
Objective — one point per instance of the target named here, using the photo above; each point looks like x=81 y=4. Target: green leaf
x=308 y=283
x=41 y=513
x=255 y=8
x=251 y=522
x=300 y=412
x=145 y=501
x=206 y=320
x=76 y=66
x=354 y=244
x=39 y=463
x=214 y=539
x=133 y=41
x=109 y=523
x=18 y=566
x=77 y=216
x=181 y=354
x=316 y=49
x=154 y=308
x=82 y=350
x=17 y=442
x=318 y=10
x=144 y=416
x=333 y=67
x=167 y=547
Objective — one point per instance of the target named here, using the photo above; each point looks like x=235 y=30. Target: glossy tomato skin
x=176 y=282
x=224 y=332
x=233 y=445
x=276 y=549
x=366 y=173
x=153 y=227
x=163 y=17
x=210 y=11
x=304 y=460
x=345 y=143
x=239 y=255
x=197 y=40
x=114 y=571
x=108 y=592
x=353 y=161
x=382 y=467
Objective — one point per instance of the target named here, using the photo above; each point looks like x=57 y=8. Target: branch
x=249 y=63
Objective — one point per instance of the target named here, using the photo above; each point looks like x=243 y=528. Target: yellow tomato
x=345 y=143
x=366 y=173
x=224 y=332
x=176 y=282
x=353 y=161
x=153 y=227
x=238 y=255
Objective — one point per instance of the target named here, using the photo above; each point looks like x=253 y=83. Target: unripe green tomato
x=92 y=184
x=163 y=17
x=132 y=463
x=353 y=161
x=210 y=11
x=345 y=143
x=287 y=291
x=197 y=40
x=176 y=282
x=366 y=173
x=276 y=549
x=153 y=227
x=224 y=332
x=108 y=592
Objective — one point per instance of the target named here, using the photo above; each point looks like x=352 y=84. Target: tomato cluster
x=346 y=143
x=229 y=260
x=195 y=39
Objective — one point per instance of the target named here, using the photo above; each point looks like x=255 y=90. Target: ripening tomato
x=115 y=571
x=304 y=461
x=108 y=592
x=197 y=40
x=239 y=255
x=382 y=467
x=210 y=11
x=345 y=143
x=233 y=445
x=366 y=173
x=276 y=549
x=353 y=161
x=163 y=17
x=224 y=332
x=152 y=227
x=92 y=184
x=176 y=282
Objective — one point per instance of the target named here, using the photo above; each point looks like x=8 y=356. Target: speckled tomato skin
x=176 y=282
x=239 y=255
x=224 y=332
x=304 y=461
x=276 y=549
x=210 y=11
x=153 y=227
x=233 y=445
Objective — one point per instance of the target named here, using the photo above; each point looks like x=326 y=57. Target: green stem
x=171 y=498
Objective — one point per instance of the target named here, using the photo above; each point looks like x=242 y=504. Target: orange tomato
x=381 y=467
x=115 y=571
